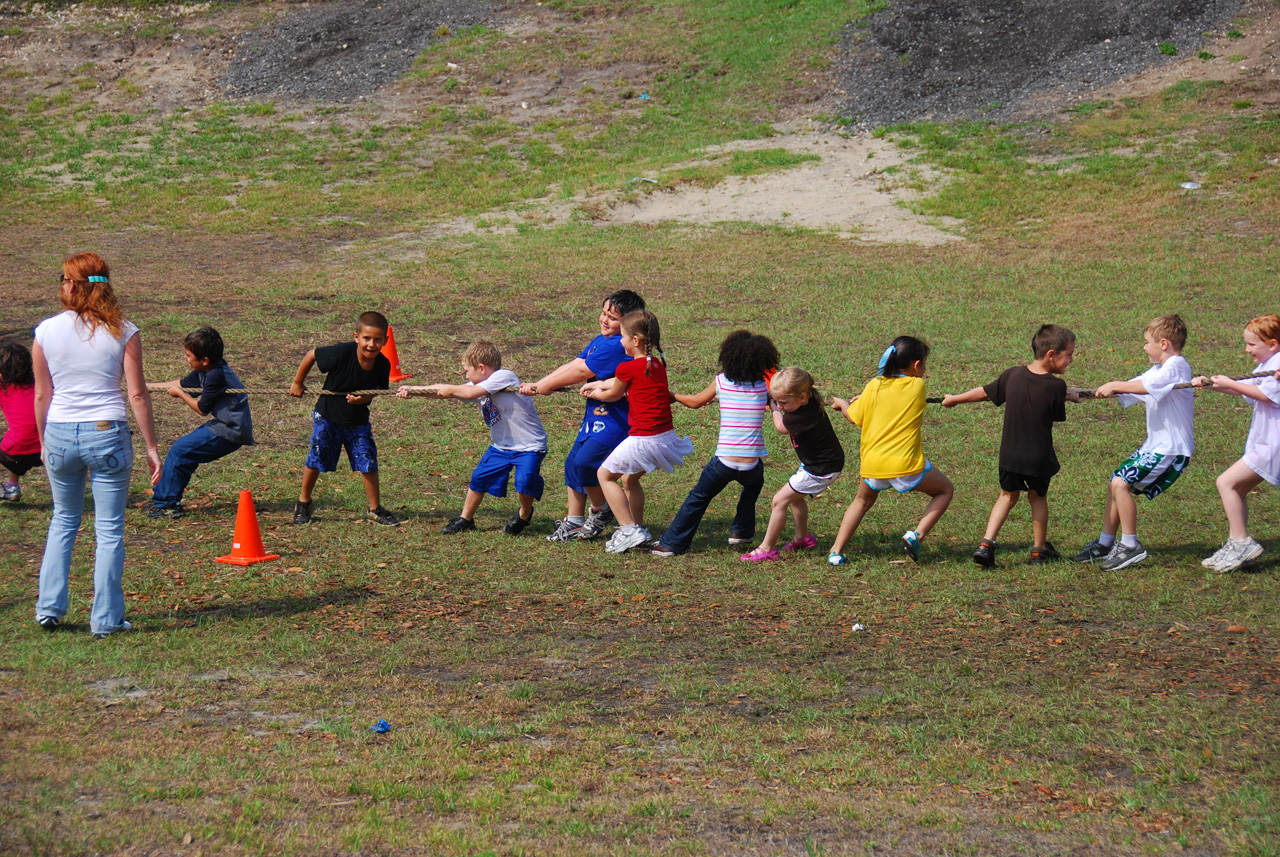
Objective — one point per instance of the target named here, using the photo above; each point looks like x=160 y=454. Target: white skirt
x=646 y=454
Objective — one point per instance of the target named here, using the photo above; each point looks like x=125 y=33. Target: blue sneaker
x=911 y=544
x=835 y=559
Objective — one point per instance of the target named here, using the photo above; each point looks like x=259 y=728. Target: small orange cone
x=389 y=352
x=246 y=545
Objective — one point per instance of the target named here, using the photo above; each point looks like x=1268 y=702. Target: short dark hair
x=15 y=366
x=205 y=342
x=373 y=319
x=906 y=350
x=624 y=301
x=746 y=357
x=1051 y=337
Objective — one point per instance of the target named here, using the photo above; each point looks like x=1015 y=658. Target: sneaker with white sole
x=595 y=524
x=911 y=544
x=1217 y=556
x=1093 y=552
x=1240 y=554
x=622 y=541
x=565 y=531
x=1123 y=557
x=11 y=493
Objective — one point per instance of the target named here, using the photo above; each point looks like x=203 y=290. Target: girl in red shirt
x=652 y=440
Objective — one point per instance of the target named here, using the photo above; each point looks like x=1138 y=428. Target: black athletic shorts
x=1010 y=481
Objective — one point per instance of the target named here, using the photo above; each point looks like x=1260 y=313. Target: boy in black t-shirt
x=1034 y=400
x=343 y=421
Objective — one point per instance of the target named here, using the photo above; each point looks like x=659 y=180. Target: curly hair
x=746 y=357
x=15 y=366
x=1265 y=326
x=93 y=301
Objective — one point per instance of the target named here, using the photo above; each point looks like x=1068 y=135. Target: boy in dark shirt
x=342 y=422
x=229 y=429
x=1034 y=400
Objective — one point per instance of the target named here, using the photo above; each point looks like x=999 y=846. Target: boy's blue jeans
x=187 y=453
x=102 y=455
x=715 y=478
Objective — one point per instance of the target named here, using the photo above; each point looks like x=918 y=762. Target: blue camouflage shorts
x=328 y=439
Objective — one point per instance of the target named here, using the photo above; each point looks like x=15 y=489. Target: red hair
x=94 y=302
x=1265 y=327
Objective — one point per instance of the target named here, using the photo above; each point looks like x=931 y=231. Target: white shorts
x=646 y=454
x=804 y=482
x=901 y=484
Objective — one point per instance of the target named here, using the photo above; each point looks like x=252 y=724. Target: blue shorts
x=328 y=439
x=583 y=461
x=490 y=475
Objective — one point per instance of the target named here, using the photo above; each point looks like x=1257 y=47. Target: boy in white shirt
x=1165 y=454
x=519 y=441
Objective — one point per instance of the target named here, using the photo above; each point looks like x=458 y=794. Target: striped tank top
x=742 y=408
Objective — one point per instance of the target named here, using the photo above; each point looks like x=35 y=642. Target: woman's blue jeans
x=715 y=478
x=100 y=453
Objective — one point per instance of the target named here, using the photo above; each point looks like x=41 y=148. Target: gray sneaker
x=565 y=531
x=594 y=526
x=1217 y=556
x=621 y=542
x=1123 y=557
x=1093 y=552
x=12 y=493
x=1239 y=555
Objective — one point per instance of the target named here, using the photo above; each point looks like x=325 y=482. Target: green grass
x=554 y=699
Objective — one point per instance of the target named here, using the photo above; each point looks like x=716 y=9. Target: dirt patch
x=948 y=59
x=341 y=51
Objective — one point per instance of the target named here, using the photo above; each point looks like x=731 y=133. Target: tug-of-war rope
x=419 y=392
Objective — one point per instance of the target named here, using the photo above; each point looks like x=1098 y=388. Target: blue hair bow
x=98 y=279
x=884 y=358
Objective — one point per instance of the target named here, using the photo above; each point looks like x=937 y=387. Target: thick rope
x=420 y=393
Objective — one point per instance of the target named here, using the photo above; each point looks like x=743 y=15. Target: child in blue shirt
x=604 y=425
x=229 y=428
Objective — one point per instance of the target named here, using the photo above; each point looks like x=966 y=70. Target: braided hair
x=643 y=325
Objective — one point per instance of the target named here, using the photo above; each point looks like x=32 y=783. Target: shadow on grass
x=257 y=609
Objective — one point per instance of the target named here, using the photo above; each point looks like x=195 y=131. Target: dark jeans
x=715 y=478
x=187 y=453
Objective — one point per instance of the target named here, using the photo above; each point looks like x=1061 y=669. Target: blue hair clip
x=884 y=358
x=98 y=280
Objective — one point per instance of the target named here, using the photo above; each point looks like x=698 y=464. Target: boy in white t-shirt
x=519 y=441
x=1165 y=454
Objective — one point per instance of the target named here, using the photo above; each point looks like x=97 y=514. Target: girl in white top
x=79 y=359
x=1261 y=460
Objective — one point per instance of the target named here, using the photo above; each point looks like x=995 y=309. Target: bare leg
x=783 y=500
x=526 y=505
x=616 y=495
x=309 y=477
x=11 y=478
x=939 y=488
x=999 y=513
x=371 y=491
x=576 y=506
x=471 y=504
x=1234 y=486
x=1111 y=517
x=635 y=496
x=865 y=499
x=1124 y=506
x=596 y=495
x=1039 y=517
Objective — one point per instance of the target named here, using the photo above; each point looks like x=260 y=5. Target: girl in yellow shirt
x=890 y=411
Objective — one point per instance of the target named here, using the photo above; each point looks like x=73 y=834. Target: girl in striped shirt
x=746 y=361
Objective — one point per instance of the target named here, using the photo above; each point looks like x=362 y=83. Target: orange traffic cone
x=246 y=545
x=389 y=352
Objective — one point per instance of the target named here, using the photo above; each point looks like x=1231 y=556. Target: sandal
x=761 y=555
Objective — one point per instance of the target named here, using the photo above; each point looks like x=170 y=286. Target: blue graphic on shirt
x=489 y=412
x=607 y=422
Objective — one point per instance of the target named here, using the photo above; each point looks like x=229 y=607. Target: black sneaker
x=173 y=512
x=985 y=555
x=302 y=513
x=1044 y=554
x=49 y=623
x=382 y=516
x=1092 y=552
x=458 y=525
x=516 y=524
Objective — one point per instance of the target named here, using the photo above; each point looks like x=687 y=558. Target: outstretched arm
x=458 y=391
x=574 y=372
x=1112 y=388
x=696 y=400
x=977 y=394
x=605 y=391
x=135 y=383
x=1225 y=384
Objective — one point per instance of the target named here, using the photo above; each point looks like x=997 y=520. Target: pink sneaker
x=760 y=555
x=801 y=544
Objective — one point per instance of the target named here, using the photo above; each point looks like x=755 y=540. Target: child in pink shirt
x=20 y=446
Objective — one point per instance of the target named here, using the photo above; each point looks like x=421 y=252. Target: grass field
x=552 y=699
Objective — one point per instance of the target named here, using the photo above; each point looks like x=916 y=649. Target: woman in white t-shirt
x=79 y=358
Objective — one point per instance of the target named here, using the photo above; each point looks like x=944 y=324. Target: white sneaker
x=621 y=542
x=1242 y=553
x=1217 y=556
x=12 y=493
